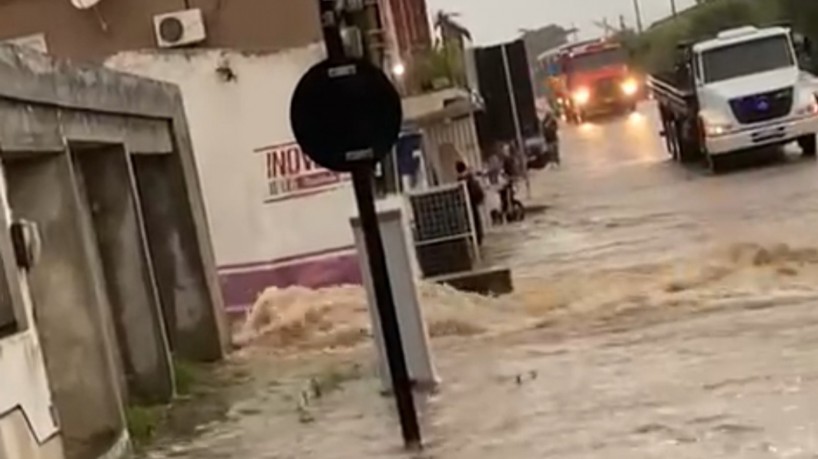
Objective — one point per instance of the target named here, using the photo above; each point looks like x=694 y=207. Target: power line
x=638 y=10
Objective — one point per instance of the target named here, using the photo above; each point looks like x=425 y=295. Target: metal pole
x=515 y=116
x=673 y=8
x=390 y=327
x=331 y=27
x=362 y=179
x=638 y=11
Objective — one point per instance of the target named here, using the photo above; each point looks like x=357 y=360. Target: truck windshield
x=747 y=58
x=597 y=60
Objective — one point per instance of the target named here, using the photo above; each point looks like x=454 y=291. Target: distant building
x=412 y=32
x=408 y=38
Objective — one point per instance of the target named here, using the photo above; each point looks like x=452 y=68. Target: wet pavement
x=663 y=312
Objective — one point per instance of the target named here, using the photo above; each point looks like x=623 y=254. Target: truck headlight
x=717 y=129
x=811 y=108
x=582 y=96
x=630 y=87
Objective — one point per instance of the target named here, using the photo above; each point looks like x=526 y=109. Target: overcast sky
x=493 y=21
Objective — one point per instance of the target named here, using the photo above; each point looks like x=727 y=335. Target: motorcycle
x=512 y=209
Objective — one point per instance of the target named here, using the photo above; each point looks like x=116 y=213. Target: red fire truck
x=598 y=80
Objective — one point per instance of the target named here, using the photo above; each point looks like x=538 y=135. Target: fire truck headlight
x=582 y=96
x=630 y=87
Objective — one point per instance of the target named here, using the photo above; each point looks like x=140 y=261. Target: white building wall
x=459 y=133
x=27 y=429
x=275 y=217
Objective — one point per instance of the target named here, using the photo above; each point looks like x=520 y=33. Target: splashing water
x=299 y=318
x=337 y=318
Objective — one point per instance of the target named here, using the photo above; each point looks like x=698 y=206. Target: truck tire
x=809 y=145
x=670 y=139
x=689 y=147
x=670 y=142
x=667 y=132
x=715 y=164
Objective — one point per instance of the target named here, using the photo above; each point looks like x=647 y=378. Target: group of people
x=504 y=168
x=503 y=172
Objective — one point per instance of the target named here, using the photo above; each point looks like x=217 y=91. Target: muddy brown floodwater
x=660 y=312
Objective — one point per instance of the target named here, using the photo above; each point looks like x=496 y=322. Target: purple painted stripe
x=240 y=290
x=299 y=195
x=292 y=258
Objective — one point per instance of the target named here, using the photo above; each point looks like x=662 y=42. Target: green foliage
x=442 y=66
x=802 y=13
x=143 y=422
x=654 y=50
x=186 y=375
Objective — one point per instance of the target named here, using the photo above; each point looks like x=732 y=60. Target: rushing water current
x=659 y=312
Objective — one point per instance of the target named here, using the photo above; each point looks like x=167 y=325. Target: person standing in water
x=550 y=129
x=476 y=197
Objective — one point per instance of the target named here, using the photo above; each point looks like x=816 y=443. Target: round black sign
x=345 y=113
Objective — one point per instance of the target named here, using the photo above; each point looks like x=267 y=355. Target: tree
x=654 y=50
x=442 y=66
x=449 y=29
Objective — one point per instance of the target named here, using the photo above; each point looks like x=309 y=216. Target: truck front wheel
x=671 y=142
x=808 y=144
x=690 y=150
x=714 y=163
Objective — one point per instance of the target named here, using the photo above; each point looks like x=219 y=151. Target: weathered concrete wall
x=110 y=189
x=276 y=218
x=69 y=309
x=43 y=82
x=45 y=107
x=159 y=184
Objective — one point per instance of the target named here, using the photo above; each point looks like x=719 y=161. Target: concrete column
x=110 y=189
x=189 y=316
x=70 y=307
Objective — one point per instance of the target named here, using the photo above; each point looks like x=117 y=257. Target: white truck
x=737 y=92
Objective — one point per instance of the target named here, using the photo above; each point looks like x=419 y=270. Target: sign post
x=346 y=115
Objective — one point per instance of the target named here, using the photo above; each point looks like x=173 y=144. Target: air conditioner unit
x=179 y=28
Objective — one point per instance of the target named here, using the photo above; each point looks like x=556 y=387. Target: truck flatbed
x=667 y=90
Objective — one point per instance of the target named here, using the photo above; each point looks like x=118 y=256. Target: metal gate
x=444 y=233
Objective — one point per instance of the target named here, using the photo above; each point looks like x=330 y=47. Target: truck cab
x=739 y=91
x=599 y=80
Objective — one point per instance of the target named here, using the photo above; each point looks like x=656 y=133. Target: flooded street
x=659 y=312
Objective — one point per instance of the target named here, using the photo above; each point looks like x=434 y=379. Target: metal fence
x=444 y=233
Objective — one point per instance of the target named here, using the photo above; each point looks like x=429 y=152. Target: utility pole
x=366 y=16
x=638 y=11
x=673 y=8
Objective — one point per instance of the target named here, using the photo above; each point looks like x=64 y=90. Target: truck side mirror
x=803 y=50
x=682 y=73
x=802 y=43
